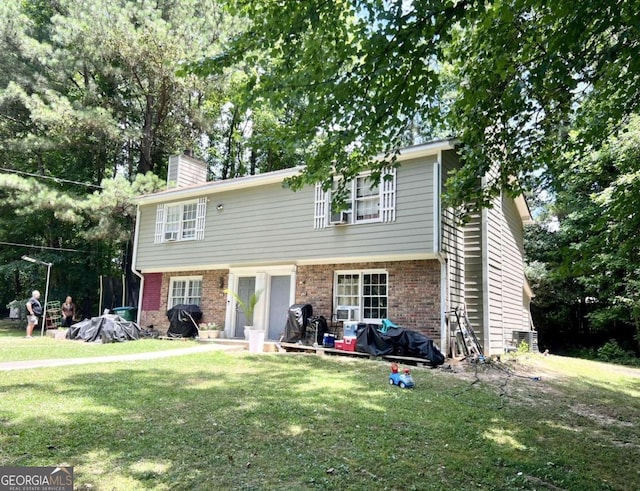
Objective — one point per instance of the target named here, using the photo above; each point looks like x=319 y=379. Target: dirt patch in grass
x=600 y=398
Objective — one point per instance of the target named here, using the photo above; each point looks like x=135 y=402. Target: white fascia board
x=426 y=149
x=523 y=209
x=292 y=263
x=213 y=187
x=367 y=259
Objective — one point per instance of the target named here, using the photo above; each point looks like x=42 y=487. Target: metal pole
x=46 y=297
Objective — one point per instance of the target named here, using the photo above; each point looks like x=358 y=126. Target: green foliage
x=523 y=347
x=519 y=82
x=611 y=351
x=247 y=307
x=364 y=74
x=90 y=97
x=590 y=264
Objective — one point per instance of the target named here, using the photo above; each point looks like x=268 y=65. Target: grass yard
x=291 y=422
x=14 y=346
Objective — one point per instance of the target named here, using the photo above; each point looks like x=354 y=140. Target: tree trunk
x=146 y=163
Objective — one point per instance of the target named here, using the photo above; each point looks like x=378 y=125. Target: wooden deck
x=322 y=351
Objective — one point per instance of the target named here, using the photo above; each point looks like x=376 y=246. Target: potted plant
x=247 y=307
x=210 y=330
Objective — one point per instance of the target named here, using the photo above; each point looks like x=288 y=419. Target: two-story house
x=395 y=253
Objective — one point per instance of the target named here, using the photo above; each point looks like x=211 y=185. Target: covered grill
x=297 y=322
x=184 y=320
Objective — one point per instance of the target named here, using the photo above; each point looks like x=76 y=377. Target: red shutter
x=152 y=289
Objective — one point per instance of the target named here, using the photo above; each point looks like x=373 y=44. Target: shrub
x=612 y=351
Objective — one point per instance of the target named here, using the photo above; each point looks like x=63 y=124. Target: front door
x=246 y=288
x=280 y=289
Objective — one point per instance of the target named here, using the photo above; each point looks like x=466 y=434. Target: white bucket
x=256 y=340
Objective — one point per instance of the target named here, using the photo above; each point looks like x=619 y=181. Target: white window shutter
x=388 y=196
x=321 y=204
x=159 y=224
x=200 y=218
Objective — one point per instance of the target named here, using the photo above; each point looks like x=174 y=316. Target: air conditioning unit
x=339 y=218
x=170 y=236
x=347 y=313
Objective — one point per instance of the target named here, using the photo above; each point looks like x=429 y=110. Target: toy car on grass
x=402 y=380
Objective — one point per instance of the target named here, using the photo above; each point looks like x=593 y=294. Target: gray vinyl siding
x=513 y=279
x=495 y=279
x=494 y=274
x=452 y=239
x=185 y=171
x=473 y=274
x=269 y=224
x=506 y=274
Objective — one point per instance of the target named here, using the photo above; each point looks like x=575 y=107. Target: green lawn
x=289 y=422
x=14 y=346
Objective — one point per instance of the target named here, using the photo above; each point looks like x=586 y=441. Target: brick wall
x=413 y=292
x=213 y=303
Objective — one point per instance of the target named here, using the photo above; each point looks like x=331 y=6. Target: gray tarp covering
x=397 y=341
x=107 y=328
x=183 y=321
x=297 y=321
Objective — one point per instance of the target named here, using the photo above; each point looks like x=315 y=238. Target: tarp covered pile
x=183 y=321
x=297 y=321
x=107 y=328
x=397 y=341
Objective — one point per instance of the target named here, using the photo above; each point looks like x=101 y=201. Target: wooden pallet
x=321 y=351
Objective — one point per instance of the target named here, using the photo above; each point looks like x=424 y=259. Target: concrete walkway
x=204 y=348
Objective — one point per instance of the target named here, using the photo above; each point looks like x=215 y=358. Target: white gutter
x=431 y=148
x=134 y=255
x=437 y=244
x=211 y=187
x=444 y=281
x=486 y=292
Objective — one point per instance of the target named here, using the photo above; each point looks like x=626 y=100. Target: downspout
x=444 y=325
x=444 y=276
x=133 y=265
x=486 y=292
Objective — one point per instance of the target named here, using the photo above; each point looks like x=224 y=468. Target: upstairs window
x=365 y=202
x=180 y=221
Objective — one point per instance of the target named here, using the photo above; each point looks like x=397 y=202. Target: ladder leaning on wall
x=466 y=337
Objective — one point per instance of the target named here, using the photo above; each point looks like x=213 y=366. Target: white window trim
x=188 y=279
x=161 y=221
x=360 y=307
x=386 y=202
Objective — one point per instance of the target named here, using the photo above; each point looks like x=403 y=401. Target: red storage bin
x=349 y=344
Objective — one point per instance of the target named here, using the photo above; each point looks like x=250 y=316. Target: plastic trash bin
x=127 y=313
x=256 y=340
